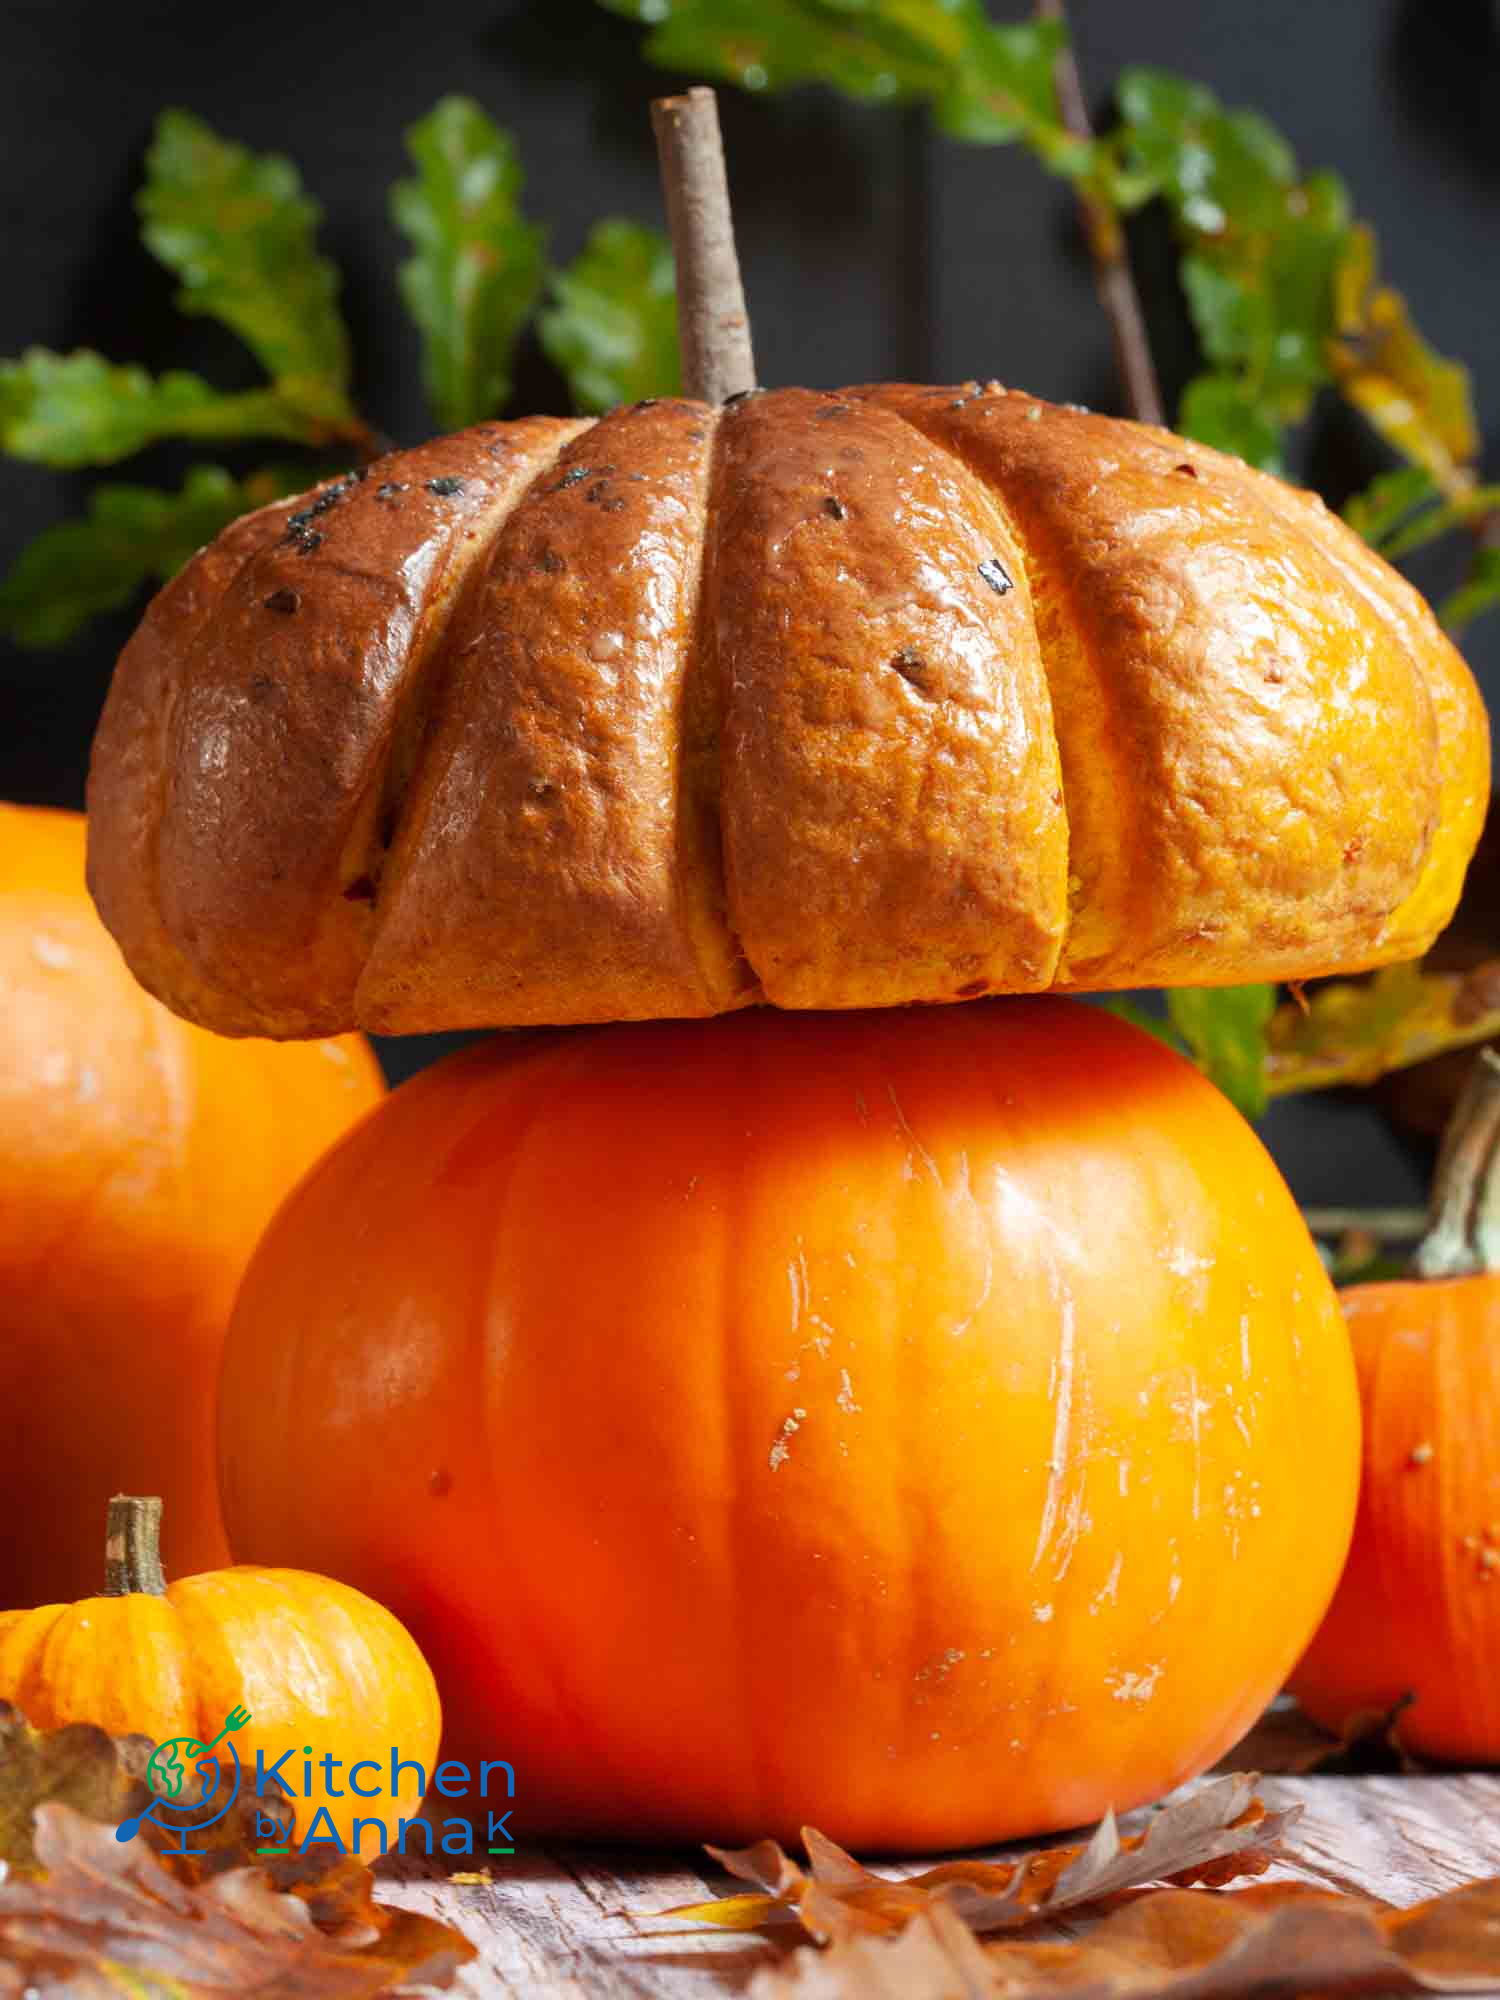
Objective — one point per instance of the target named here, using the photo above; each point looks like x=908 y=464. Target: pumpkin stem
x=712 y=323
x=132 y=1547
x=1463 y=1234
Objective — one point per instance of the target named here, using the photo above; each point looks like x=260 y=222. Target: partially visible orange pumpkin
x=313 y=1665
x=1416 y=1619
x=140 y=1158
x=934 y=1426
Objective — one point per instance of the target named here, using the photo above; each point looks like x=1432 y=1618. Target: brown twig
x=717 y=361
x=1106 y=241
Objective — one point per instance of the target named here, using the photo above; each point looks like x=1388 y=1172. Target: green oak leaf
x=1300 y=268
x=239 y=232
x=1216 y=410
x=68 y=410
x=985 y=81
x=1480 y=593
x=1006 y=88
x=1141 y=1017
x=1389 y=502
x=131 y=535
x=1216 y=168
x=478 y=265
x=1230 y=317
x=871 y=49
x=1224 y=1028
x=611 y=328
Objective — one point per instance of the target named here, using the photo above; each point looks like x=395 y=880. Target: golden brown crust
x=1250 y=738
x=271 y=747
x=891 y=798
x=837 y=699
x=552 y=866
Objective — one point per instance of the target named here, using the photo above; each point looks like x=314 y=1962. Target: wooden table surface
x=564 y=1923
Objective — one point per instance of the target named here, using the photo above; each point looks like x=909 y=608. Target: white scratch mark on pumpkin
x=1245 y=1345
x=1124 y=1470
x=1042 y=1613
x=1134 y=1687
x=88 y=1085
x=1196 y=1408
x=334 y=1054
x=1232 y=1517
x=1110 y=1591
x=941 y=1667
x=913 y=1141
x=1240 y=1425
x=797 y=1278
x=1183 y=1264
x=1062 y=1396
x=845 y=1396
x=984 y=1294
x=51 y=952
x=781 y=1450
x=1026 y=1216
x=1074 y=1522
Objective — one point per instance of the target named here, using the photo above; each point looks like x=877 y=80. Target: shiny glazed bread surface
x=823 y=700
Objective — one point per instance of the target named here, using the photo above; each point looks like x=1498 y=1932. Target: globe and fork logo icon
x=168 y=1773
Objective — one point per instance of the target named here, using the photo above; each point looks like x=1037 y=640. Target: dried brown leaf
x=1215 y=1835
x=1371 y=1745
x=109 y=1917
x=1174 y=1944
x=103 y=1777
x=97 y=1774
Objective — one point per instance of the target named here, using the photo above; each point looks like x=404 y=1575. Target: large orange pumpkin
x=139 y=1161
x=931 y=1426
x=1416 y=1619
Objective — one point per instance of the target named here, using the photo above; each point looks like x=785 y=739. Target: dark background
x=871 y=249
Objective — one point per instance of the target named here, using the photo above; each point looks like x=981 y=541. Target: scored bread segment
x=131 y=770
x=558 y=858
x=1251 y=758
x=892 y=806
x=1459 y=716
x=287 y=700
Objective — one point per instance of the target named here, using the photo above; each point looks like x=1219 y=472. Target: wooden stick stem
x=1106 y=241
x=717 y=361
x=132 y=1547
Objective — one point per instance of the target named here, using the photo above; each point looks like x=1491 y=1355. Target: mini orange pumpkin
x=316 y=1666
x=1416 y=1618
x=139 y=1161
x=935 y=1427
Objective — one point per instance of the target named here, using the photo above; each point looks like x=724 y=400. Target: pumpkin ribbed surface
x=140 y=1159
x=930 y=1429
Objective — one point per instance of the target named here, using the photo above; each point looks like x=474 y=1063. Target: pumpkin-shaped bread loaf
x=819 y=699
